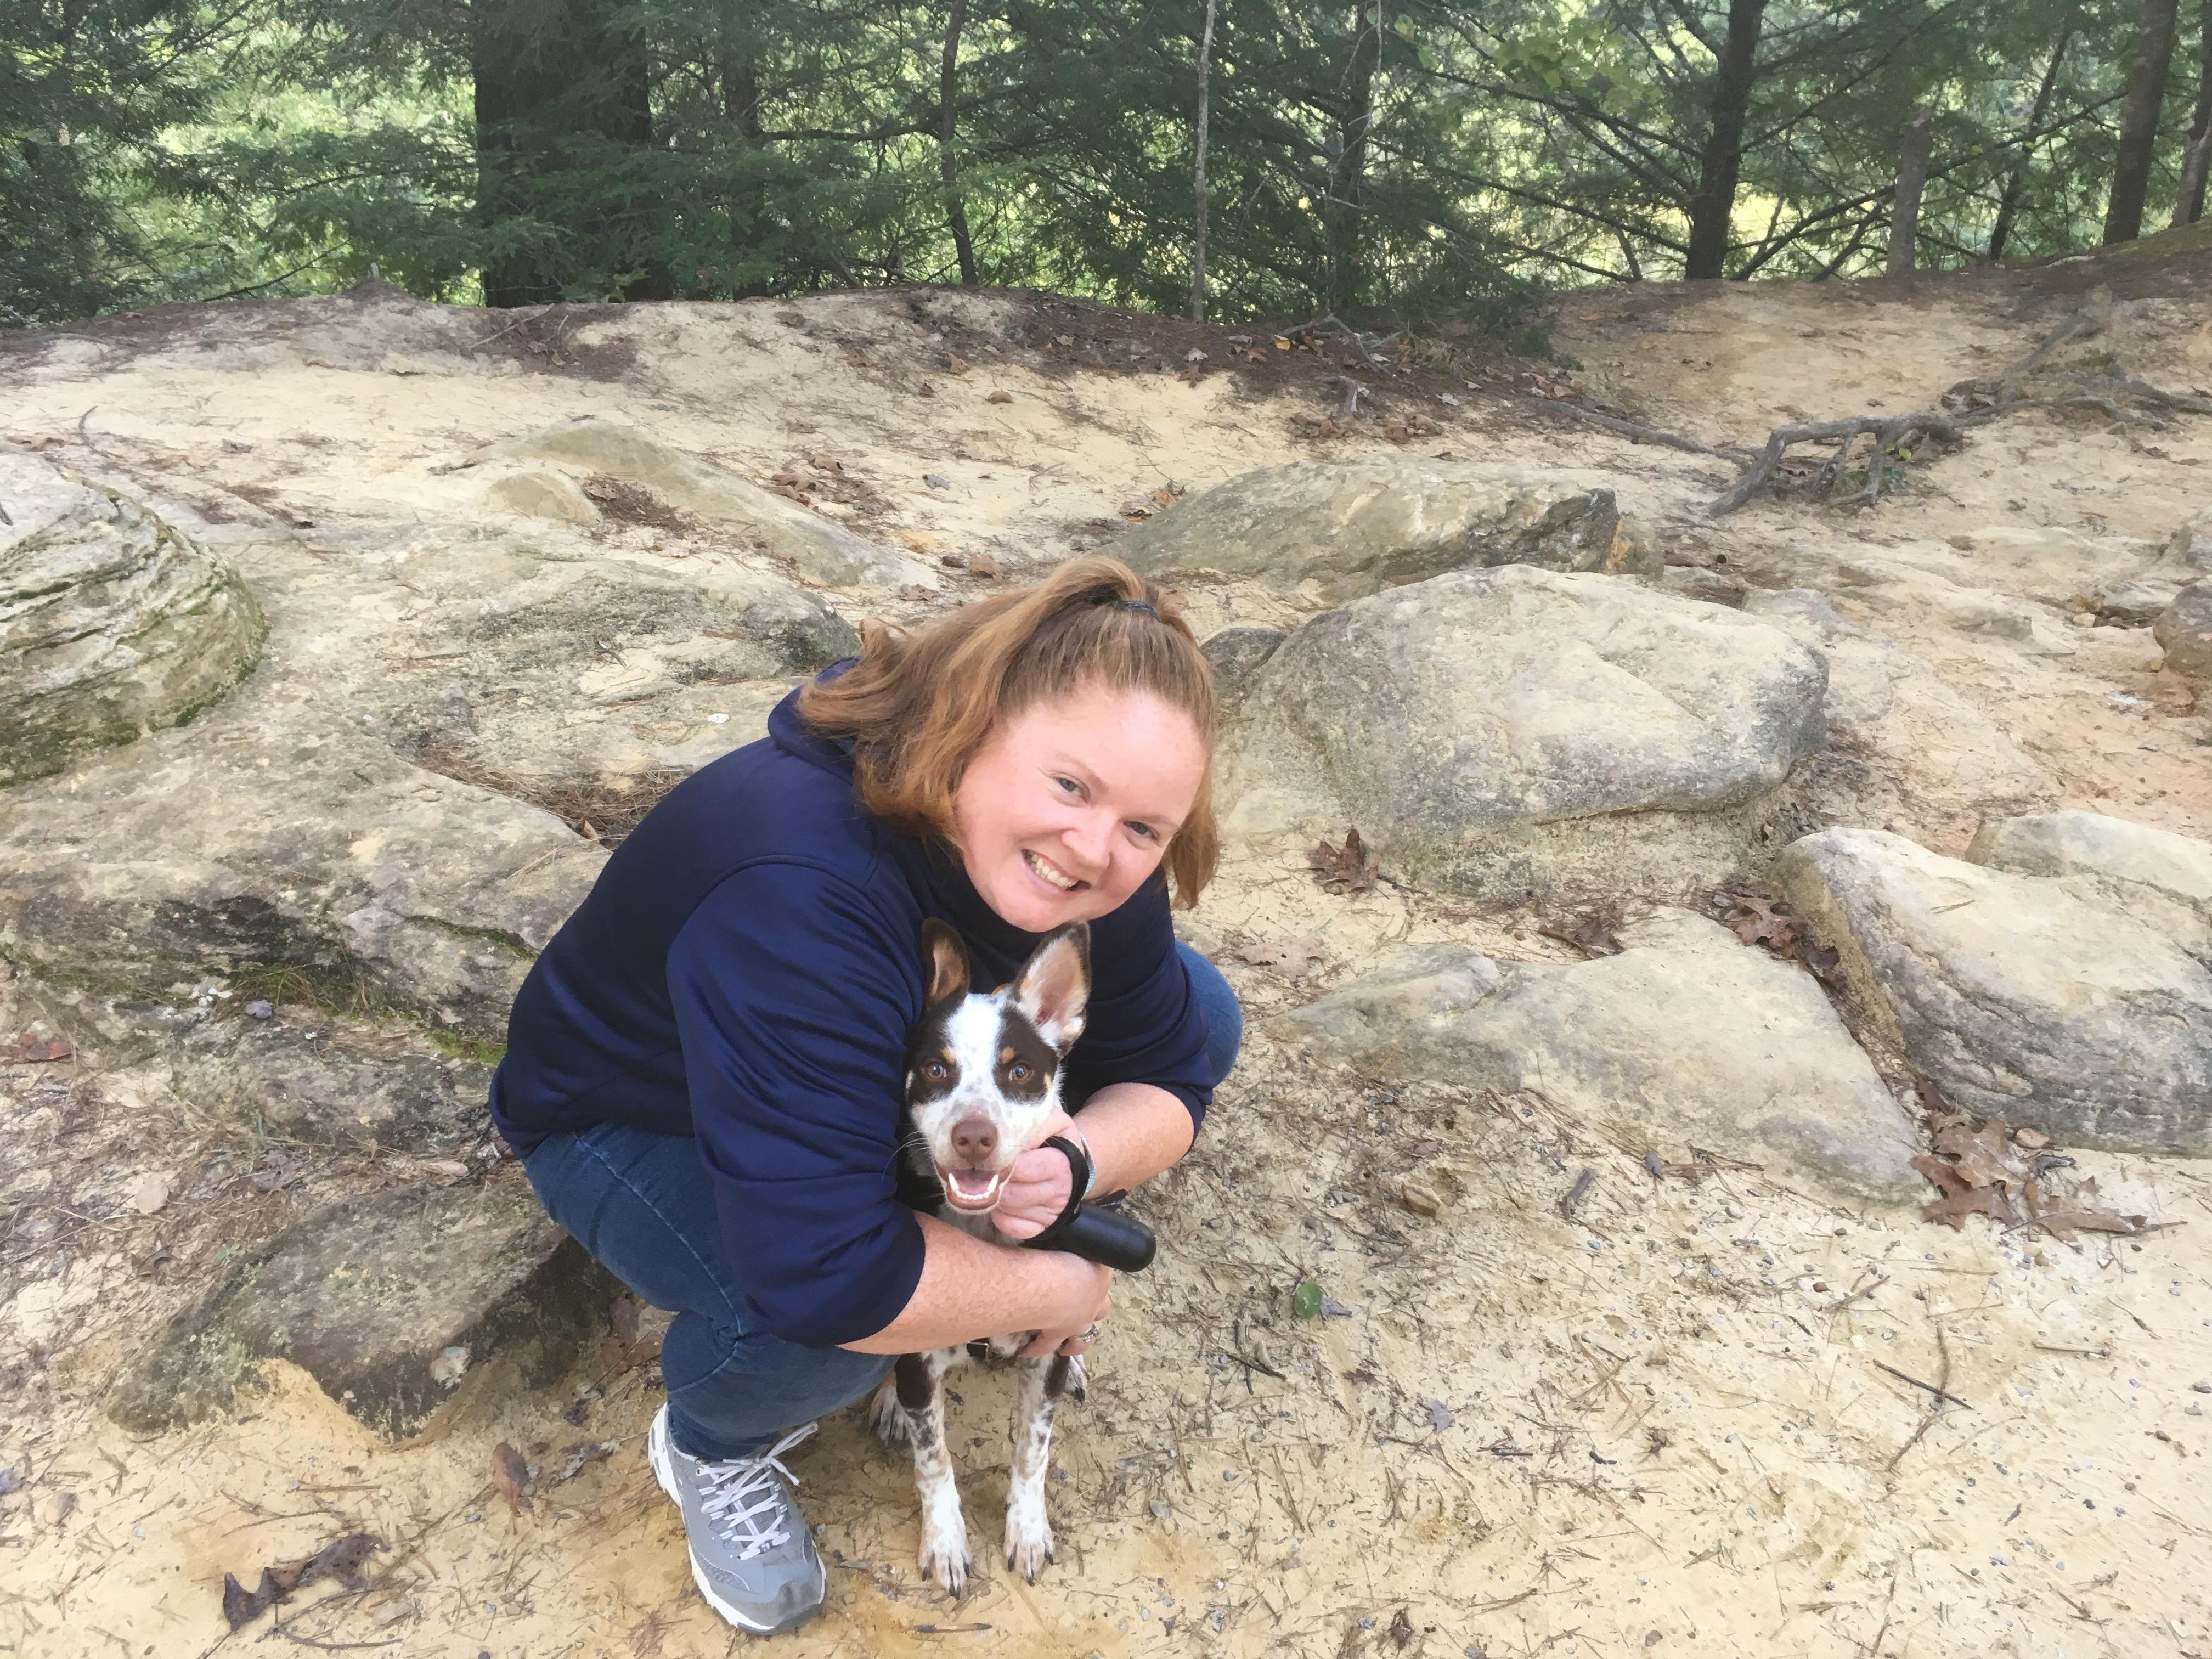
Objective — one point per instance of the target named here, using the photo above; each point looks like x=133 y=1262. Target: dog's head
x=984 y=1072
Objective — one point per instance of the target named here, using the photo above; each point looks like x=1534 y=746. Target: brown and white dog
x=983 y=1078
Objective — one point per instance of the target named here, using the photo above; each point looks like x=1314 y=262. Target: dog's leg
x=1029 y=1534
x=919 y=1379
x=886 y=1416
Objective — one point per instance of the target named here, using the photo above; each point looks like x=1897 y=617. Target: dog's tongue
x=973 y=1183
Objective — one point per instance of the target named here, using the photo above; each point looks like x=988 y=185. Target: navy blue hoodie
x=745 y=971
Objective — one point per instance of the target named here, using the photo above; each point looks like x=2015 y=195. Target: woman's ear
x=944 y=960
x=1053 y=988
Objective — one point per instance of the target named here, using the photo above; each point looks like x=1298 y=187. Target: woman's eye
x=1142 y=831
x=1069 y=785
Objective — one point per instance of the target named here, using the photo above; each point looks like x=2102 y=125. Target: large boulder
x=1686 y=1039
x=1513 y=731
x=1346 y=529
x=2184 y=631
x=111 y=623
x=823 y=552
x=2041 y=998
x=388 y=1301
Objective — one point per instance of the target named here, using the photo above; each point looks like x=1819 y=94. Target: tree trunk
x=2016 y=182
x=1341 y=213
x=2196 y=162
x=1913 y=156
x=2139 y=122
x=738 y=69
x=948 y=87
x=552 y=76
x=1198 y=190
x=1713 y=206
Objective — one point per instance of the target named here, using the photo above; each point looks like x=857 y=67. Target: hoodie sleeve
x=793 y=992
x=1144 y=1025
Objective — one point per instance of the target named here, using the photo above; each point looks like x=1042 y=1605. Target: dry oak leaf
x=983 y=565
x=856 y=358
x=1164 y=497
x=825 y=463
x=30 y=1050
x=1346 y=869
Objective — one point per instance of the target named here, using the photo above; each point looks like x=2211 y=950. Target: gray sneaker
x=751 y=1555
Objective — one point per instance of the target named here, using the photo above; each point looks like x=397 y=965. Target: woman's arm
x=972 y=1289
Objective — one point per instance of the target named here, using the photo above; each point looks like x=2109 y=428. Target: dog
x=983 y=1076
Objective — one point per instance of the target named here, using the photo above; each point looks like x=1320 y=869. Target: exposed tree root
x=1635 y=431
x=2064 y=371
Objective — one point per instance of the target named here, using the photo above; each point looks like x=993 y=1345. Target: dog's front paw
x=886 y=1416
x=1028 y=1536
x=944 y=1557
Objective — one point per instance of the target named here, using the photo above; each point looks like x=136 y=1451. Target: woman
x=704 y=1069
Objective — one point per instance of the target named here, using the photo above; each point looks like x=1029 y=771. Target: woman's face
x=1067 y=810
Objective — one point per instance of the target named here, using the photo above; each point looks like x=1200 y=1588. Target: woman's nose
x=1092 y=839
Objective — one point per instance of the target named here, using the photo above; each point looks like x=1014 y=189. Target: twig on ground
x=1576 y=1193
x=1931 y=1388
x=1359 y=346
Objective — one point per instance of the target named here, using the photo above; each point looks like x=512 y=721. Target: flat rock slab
x=826 y=552
x=1685 y=1039
x=2076 y=843
x=113 y=622
x=1514 y=731
x=366 y=1296
x=2037 y=998
x=1341 y=530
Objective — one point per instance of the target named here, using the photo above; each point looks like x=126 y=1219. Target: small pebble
x=1419 y=1199
x=53 y=1508
x=260 y=1011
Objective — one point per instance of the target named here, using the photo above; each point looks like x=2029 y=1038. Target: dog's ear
x=1053 y=986
x=944 y=960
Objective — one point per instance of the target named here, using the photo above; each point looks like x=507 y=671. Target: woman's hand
x=1039 y=1185
x=1088 y=1300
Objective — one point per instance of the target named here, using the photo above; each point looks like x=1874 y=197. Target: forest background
x=1411 y=160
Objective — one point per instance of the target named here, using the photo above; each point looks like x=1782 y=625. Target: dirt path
x=1675 y=1422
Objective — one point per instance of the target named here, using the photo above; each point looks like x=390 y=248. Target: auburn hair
x=918 y=707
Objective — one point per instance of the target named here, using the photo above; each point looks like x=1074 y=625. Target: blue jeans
x=643 y=1204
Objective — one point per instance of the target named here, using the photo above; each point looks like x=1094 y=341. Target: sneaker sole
x=656 y=1451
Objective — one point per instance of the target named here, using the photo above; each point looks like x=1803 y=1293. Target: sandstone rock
x=1685 y=1038
x=541 y=495
x=365 y=1295
x=1516 y=730
x=2035 y=998
x=1903 y=746
x=1353 y=528
x=2088 y=843
x=2191 y=545
x=822 y=551
x=2184 y=631
x=112 y=623
x=1237 y=656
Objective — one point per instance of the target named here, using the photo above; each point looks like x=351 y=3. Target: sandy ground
x=1665 y=1424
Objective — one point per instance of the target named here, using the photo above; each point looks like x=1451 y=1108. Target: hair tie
x=1144 y=605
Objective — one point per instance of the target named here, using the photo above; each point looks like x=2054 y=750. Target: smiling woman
x=706 y=1069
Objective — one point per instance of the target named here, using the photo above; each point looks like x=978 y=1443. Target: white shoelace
x=743 y=1498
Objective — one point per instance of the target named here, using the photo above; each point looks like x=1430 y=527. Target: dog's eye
x=933 y=1070
x=1019 y=1072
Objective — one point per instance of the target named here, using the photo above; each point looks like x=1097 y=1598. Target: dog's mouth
x=974 y=1190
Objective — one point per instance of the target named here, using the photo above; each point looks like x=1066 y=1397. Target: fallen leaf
x=1981 y=1155
x=1066 y=339
x=955 y=363
x=825 y=463
x=1135 y=510
x=30 y=1050
x=582 y=1456
x=1164 y=497
x=1282 y=343
x=278 y=1169
x=1192 y=375
x=341 y=1558
x=150 y=1194
x=1346 y=869
x=1194 y=356
x=999 y=398
x=926 y=389
x=1758 y=920
x=510 y=1476
x=1396 y=431
x=1401 y=1627
x=1306 y=1299
x=1419 y=1199
x=392 y=1612
x=983 y=565
x=1295 y=956
x=240 y=1605
x=856 y=358
x=937 y=481
x=2062 y=1222
x=953 y=561
x=2033 y=1139
x=1593 y=931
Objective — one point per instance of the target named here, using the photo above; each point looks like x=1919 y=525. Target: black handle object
x=1100 y=1234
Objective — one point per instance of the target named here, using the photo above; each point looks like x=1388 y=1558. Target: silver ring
x=1090 y=1332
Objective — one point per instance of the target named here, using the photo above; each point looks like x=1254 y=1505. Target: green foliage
x=1394 y=160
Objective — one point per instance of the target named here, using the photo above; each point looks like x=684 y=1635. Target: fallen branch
x=1634 y=431
x=1888 y=432
x=1940 y=1393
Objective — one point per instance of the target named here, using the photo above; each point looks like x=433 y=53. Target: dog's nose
x=975 y=1139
